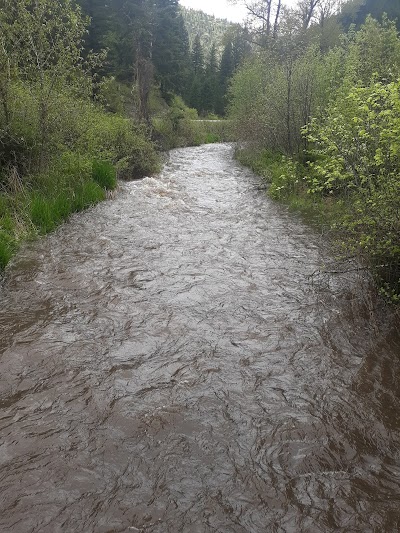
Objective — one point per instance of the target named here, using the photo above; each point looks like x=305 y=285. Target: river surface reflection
x=169 y=364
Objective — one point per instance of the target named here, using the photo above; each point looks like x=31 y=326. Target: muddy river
x=175 y=361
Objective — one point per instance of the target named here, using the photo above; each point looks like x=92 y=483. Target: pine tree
x=197 y=56
x=225 y=73
x=170 y=48
x=210 y=86
x=195 y=97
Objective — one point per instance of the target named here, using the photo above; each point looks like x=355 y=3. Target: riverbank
x=35 y=203
x=360 y=224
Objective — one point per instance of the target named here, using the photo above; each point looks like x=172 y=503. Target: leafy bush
x=357 y=143
x=356 y=151
x=173 y=127
x=120 y=141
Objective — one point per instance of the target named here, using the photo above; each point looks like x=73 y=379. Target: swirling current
x=175 y=360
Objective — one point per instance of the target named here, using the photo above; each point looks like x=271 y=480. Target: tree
x=210 y=87
x=226 y=71
x=197 y=56
x=263 y=19
x=41 y=45
x=170 y=50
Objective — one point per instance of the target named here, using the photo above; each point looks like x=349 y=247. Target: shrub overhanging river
x=169 y=363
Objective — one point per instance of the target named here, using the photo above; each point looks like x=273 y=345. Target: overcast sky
x=222 y=8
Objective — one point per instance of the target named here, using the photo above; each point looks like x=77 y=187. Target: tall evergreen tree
x=210 y=85
x=197 y=56
x=170 y=47
x=226 y=70
x=197 y=75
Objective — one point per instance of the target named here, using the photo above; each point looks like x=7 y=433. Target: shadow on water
x=169 y=364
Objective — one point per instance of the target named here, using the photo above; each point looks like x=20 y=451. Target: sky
x=222 y=8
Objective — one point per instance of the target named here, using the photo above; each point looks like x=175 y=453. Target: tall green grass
x=104 y=174
x=46 y=213
x=8 y=247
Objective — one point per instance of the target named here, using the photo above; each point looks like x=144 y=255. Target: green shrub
x=177 y=126
x=121 y=142
x=212 y=138
x=356 y=157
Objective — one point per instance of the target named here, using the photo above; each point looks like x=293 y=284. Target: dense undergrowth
x=89 y=150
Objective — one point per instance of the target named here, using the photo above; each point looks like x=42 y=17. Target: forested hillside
x=210 y=30
x=158 y=44
x=356 y=11
x=316 y=109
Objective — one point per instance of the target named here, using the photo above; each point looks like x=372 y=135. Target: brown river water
x=170 y=364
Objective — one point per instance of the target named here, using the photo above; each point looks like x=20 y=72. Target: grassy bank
x=35 y=203
x=362 y=224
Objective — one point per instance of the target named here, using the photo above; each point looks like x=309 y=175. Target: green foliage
x=104 y=174
x=40 y=52
x=170 y=47
x=344 y=172
x=357 y=143
x=373 y=51
x=356 y=152
x=174 y=127
x=146 y=43
x=120 y=141
x=114 y=96
x=273 y=97
x=282 y=173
